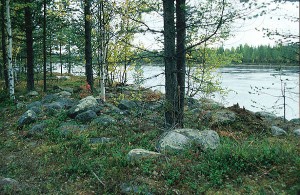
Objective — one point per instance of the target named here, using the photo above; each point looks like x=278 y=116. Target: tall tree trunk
x=60 y=59
x=181 y=60
x=4 y=55
x=50 y=56
x=170 y=64
x=101 y=49
x=9 y=54
x=29 y=45
x=88 y=43
x=44 y=46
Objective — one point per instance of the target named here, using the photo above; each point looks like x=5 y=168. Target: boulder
x=37 y=129
x=64 y=94
x=33 y=93
x=68 y=89
x=103 y=120
x=297 y=132
x=179 y=139
x=8 y=183
x=85 y=104
x=266 y=115
x=138 y=154
x=223 y=117
x=28 y=117
x=277 y=131
x=34 y=104
x=50 y=98
x=127 y=105
x=86 y=116
x=209 y=104
x=296 y=121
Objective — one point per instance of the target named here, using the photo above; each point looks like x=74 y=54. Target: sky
x=243 y=31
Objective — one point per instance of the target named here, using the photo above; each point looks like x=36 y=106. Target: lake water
x=240 y=81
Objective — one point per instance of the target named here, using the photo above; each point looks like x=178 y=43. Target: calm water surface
x=254 y=88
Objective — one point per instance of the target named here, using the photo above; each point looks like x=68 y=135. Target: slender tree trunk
x=4 y=55
x=29 y=45
x=60 y=59
x=50 y=56
x=69 y=57
x=170 y=64
x=44 y=46
x=9 y=54
x=181 y=60
x=101 y=49
x=88 y=43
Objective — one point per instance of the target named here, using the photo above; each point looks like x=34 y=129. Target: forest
x=94 y=133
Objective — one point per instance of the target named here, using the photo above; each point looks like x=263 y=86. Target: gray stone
x=127 y=105
x=63 y=77
x=266 y=115
x=9 y=183
x=64 y=94
x=66 y=128
x=296 y=121
x=104 y=120
x=181 y=138
x=85 y=104
x=223 y=117
x=127 y=188
x=86 y=116
x=37 y=129
x=50 y=98
x=297 y=132
x=33 y=93
x=28 y=117
x=100 y=140
x=277 y=131
x=37 y=110
x=68 y=89
x=53 y=106
x=138 y=154
x=34 y=104
x=20 y=105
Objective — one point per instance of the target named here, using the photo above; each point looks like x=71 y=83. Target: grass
x=247 y=162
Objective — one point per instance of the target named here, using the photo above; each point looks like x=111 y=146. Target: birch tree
x=9 y=53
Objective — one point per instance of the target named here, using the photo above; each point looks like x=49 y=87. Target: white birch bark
x=9 y=54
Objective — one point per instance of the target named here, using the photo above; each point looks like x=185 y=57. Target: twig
x=98 y=178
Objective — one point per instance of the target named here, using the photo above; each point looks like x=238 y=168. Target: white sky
x=245 y=32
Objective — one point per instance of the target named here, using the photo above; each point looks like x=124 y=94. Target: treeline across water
x=266 y=54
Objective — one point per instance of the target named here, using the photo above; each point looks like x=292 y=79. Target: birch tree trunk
x=4 y=53
x=9 y=54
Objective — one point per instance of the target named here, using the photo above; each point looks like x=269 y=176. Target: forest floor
x=249 y=159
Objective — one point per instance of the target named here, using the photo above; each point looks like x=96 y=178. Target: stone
x=33 y=93
x=296 y=121
x=266 y=115
x=63 y=77
x=53 y=106
x=37 y=129
x=64 y=94
x=223 y=117
x=12 y=184
x=179 y=139
x=297 y=132
x=138 y=154
x=86 y=116
x=85 y=104
x=277 y=131
x=67 y=128
x=50 y=98
x=127 y=105
x=103 y=120
x=34 y=104
x=28 y=117
x=127 y=188
x=100 y=140
x=68 y=89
